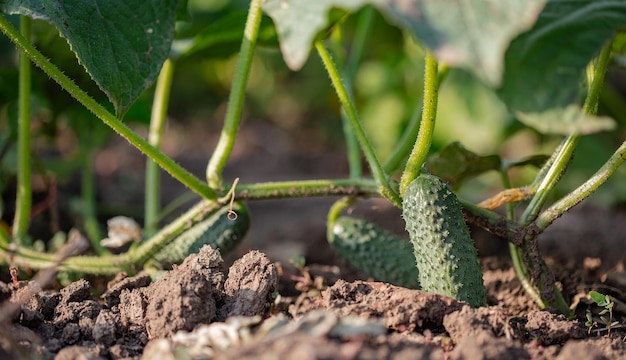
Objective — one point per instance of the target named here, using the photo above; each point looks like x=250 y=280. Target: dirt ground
x=256 y=304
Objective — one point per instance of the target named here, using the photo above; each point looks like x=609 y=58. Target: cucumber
x=374 y=252
x=217 y=230
x=443 y=249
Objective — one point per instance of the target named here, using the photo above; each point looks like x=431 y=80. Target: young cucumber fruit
x=374 y=252
x=443 y=248
x=217 y=230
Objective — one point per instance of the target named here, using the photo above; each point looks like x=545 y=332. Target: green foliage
x=512 y=59
x=443 y=248
x=121 y=44
x=374 y=251
x=605 y=302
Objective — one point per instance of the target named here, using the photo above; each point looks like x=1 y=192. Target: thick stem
x=109 y=119
x=377 y=171
x=24 y=194
x=427 y=125
x=235 y=102
x=542 y=277
x=157 y=124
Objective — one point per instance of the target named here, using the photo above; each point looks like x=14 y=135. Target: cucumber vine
x=406 y=179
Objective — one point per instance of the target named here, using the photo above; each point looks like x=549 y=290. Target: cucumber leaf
x=545 y=66
x=473 y=35
x=122 y=44
x=455 y=163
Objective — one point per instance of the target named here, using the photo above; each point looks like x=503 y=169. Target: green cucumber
x=373 y=251
x=217 y=230
x=443 y=249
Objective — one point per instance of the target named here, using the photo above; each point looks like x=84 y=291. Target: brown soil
x=264 y=307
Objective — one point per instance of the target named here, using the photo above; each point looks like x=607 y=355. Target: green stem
x=344 y=98
x=235 y=102
x=109 y=119
x=583 y=191
x=157 y=124
x=427 y=125
x=350 y=67
x=131 y=261
x=24 y=194
x=407 y=140
x=552 y=176
x=306 y=188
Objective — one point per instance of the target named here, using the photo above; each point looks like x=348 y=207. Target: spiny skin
x=375 y=252
x=217 y=231
x=443 y=248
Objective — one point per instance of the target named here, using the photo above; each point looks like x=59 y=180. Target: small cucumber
x=217 y=230
x=374 y=252
x=443 y=248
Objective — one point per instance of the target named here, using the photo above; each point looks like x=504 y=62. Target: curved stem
x=109 y=119
x=24 y=194
x=583 y=191
x=157 y=124
x=377 y=171
x=235 y=101
x=427 y=125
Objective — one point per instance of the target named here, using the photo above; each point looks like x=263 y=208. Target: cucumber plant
x=500 y=44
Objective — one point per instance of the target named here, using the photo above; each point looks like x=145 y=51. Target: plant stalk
x=155 y=134
x=234 y=108
x=407 y=140
x=169 y=165
x=427 y=125
x=23 y=202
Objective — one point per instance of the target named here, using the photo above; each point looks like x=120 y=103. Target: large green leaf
x=298 y=22
x=545 y=66
x=122 y=44
x=468 y=34
x=474 y=35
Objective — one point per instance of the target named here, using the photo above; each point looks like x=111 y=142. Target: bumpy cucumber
x=375 y=252
x=443 y=248
x=217 y=230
